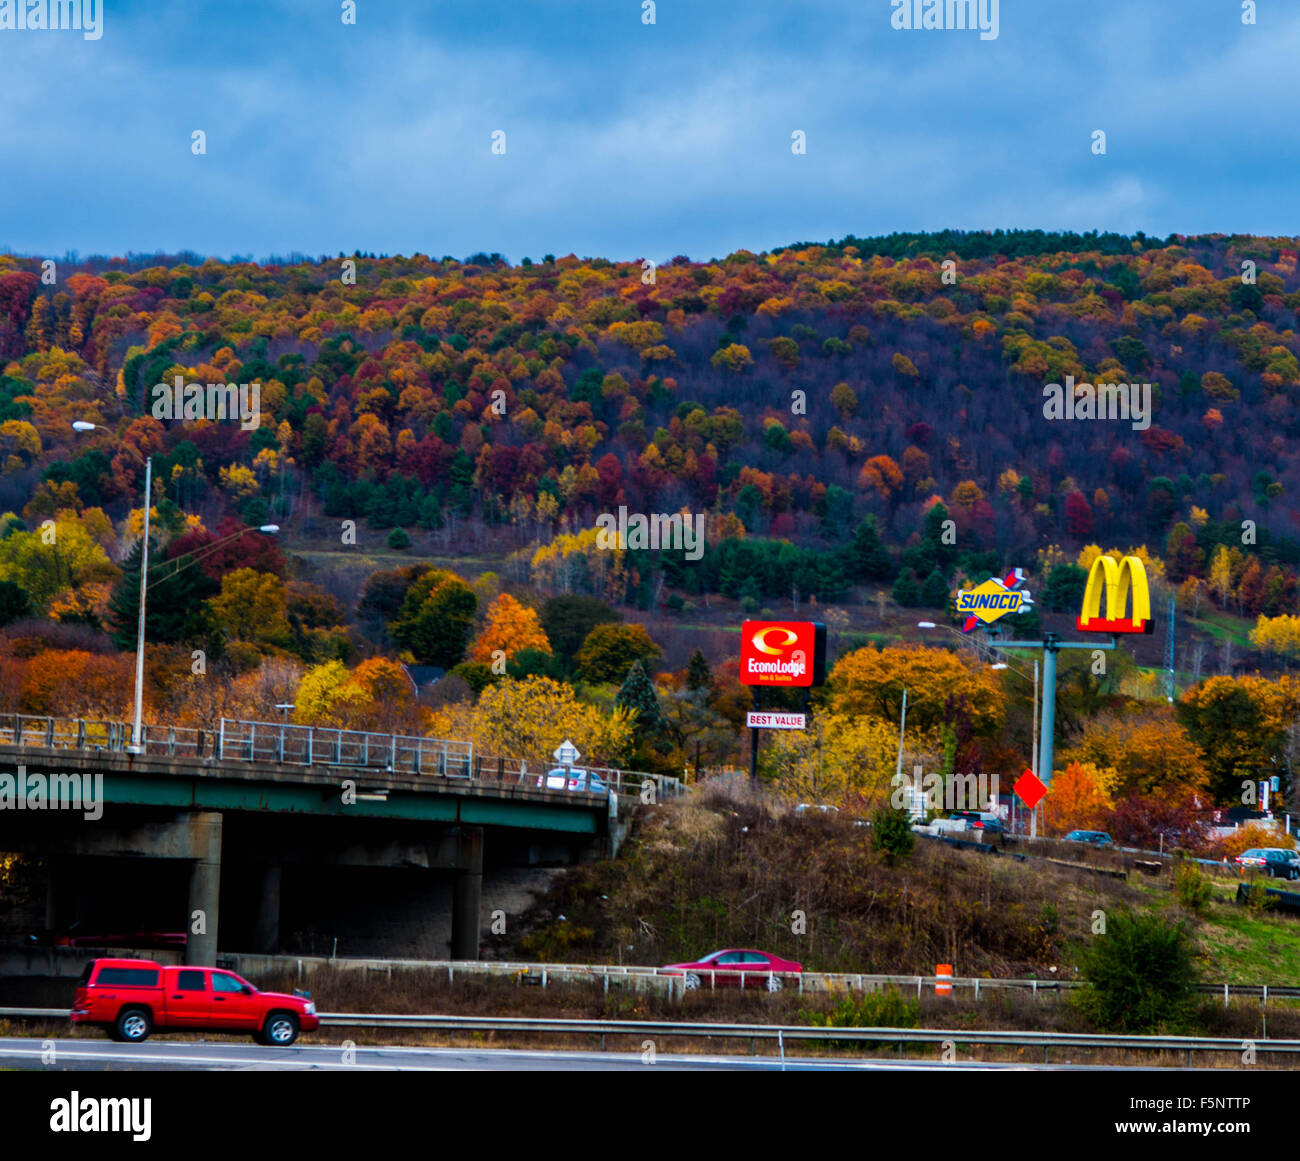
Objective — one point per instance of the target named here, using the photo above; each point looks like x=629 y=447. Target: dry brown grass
x=729 y=870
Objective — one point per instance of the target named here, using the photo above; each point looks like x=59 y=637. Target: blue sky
x=626 y=140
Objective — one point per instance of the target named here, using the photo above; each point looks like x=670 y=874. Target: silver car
x=573 y=778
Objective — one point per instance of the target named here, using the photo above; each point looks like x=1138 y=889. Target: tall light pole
x=137 y=741
x=1033 y=751
x=136 y=746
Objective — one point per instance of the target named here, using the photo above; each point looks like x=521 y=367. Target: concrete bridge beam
x=467 y=893
x=205 y=889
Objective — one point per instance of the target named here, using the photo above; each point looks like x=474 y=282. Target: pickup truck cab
x=132 y=997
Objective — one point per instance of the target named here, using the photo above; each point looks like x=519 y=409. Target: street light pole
x=137 y=746
x=136 y=739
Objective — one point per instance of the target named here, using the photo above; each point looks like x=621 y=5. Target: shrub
x=398 y=539
x=1193 y=889
x=891 y=834
x=1139 y=975
x=886 y=1009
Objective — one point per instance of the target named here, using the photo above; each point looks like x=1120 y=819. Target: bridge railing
x=521 y=772
x=238 y=740
x=356 y=749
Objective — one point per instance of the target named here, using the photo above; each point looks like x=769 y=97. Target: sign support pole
x=753 y=748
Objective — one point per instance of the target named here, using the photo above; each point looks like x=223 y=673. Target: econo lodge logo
x=780 y=652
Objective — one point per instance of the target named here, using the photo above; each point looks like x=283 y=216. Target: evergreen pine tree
x=638 y=693
x=699 y=677
x=867 y=556
x=906 y=591
x=934 y=591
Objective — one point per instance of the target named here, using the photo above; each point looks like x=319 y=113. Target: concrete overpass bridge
x=266 y=837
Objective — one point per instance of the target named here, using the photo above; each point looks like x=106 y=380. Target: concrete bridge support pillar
x=205 y=888
x=467 y=893
x=267 y=937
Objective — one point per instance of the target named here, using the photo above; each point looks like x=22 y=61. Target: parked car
x=983 y=820
x=1279 y=862
x=132 y=997
x=573 y=778
x=805 y=807
x=1096 y=838
x=734 y=967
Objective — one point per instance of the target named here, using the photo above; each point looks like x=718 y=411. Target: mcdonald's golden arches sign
x=1117 y=598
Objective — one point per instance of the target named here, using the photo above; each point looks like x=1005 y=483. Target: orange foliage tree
x=1079 y=799
x=511 y=628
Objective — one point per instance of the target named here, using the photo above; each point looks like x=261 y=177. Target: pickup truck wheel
x=132 y=1025
x=280 y=1030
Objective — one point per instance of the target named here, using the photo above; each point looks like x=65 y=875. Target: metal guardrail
x=673 y=982
x=779 y=1032
x=286 y=744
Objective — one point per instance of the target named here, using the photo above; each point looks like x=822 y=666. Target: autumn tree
x=436 y=618
x=529 y=719
x=1079 y=798
x=1151 y=752
x=611 y=650
x=1240 y=726
x=252 y=606
x=510 y=628
x=939 y=682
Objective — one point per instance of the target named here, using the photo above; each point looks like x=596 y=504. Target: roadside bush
x=1139 y=975
x=891 y=834
x=1194 y=889
x=886 y=1009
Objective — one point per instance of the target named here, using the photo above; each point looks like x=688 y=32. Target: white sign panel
x=771 y=721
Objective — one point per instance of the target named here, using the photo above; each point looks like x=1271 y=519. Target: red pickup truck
x=132 y=997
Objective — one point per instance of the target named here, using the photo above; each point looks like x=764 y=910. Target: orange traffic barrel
x=944 y=972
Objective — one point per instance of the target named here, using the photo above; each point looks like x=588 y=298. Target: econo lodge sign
x=783 y=653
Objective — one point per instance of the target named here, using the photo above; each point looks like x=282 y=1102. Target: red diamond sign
x=1030 y=789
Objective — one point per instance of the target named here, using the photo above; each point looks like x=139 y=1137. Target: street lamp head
x=269 y=528
x=83 y=425
x=1000 y=665
x=926 y=625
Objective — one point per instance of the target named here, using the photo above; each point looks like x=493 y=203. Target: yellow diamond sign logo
x=993 y=600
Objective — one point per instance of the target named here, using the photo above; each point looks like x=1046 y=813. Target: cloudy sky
x=631 y=140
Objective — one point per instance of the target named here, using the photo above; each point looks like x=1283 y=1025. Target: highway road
x=215 y=1055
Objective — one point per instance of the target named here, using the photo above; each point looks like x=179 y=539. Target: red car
x=734 y=967
x=132 y=997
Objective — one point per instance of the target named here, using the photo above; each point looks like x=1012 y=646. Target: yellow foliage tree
x=528 y=719
x=1278 y=635
x=841 y=759
x=937 y=681
x=326 y=697
x=1151 y=753
x=252 y=605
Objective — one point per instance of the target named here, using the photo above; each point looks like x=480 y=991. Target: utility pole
x=136 y=740
x=1169 y=647
x=1051 y=644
